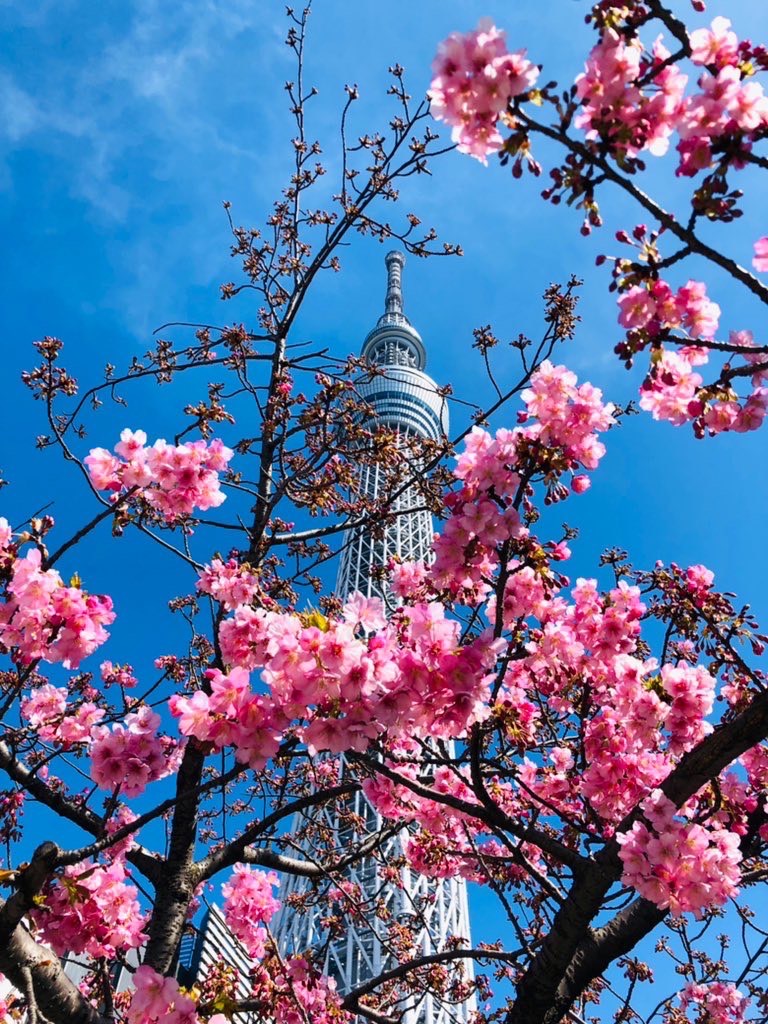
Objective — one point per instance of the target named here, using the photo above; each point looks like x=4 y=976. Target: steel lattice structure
x=407 y=400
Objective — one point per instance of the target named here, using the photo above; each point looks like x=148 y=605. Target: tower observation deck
x=404 y=398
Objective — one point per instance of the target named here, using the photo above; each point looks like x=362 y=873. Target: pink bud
x=580 y=483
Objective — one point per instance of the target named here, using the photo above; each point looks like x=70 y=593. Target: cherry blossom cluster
x=679 y=864
x=91 y=908
x=249 y=904
x=640 y=717
x=229 y=583
x=631 y=100
x=6 y=537
x=123 y=816
x=291 y=987
x=626 y=752
x=344 y=682
x=296 y=992
x=396 y=800
x=617 y=108
x=760 y=259
x=11 y=809
x=228 y=713
x=130 y=754
x=55 y=721
x=173 y=479
x=449 y=842
x=156 y=999
x=559 y=434
x=673 y=391
x=475 y=77
x=692 y=693
x=622 y=743
x=755 y=762
x=465 y=550
x=635 y=102
x=729 y=104
x=525 y=594
x=698 y=582
x=716 y=1002
x=408 y=580
x=566 y=416
x=654 y=307
x=44 y=619
x=117 y=675
x=591 y=640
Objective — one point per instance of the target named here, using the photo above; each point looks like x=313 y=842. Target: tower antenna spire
x=395 y=261
x=394 y=340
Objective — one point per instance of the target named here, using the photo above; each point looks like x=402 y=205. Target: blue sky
x=127 y=124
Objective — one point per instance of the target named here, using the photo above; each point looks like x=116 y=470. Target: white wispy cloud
x=144 y=113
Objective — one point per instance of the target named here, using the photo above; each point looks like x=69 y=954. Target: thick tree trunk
x=58 y=999
x=574 y=954
x=178 y=877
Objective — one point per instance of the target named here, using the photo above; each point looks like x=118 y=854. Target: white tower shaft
x=406 y=399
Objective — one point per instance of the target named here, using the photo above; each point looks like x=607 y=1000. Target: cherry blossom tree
x=594 y=756
x=653 y=91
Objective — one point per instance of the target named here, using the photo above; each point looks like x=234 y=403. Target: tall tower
x=405 y=399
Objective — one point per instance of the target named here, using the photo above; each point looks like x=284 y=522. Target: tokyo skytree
x=404 y=399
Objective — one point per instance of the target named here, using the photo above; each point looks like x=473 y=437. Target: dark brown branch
x=234 y=851
x=543 y=995
x=32 y=968
x=352 y=1000
x=666 y=219
x=68 y=809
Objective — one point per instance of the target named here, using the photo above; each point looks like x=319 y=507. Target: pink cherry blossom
x=407 y=579
x=366 y=612
x=760 y=262
x=155 y=999
x=560 y=416
x=716 y=1002
x=717 y=45
x=173 y=479
x=6 y=534
x=117 y=675
x=669 y=393
x=475 y=77
x=692 y=690
x=637 y=307
x=580 y=483
x=130 y=754
x=678 y=864
x=43 y=619
x=249 y=904
x=616 y=108
x=93 y=909
x=229 y=583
